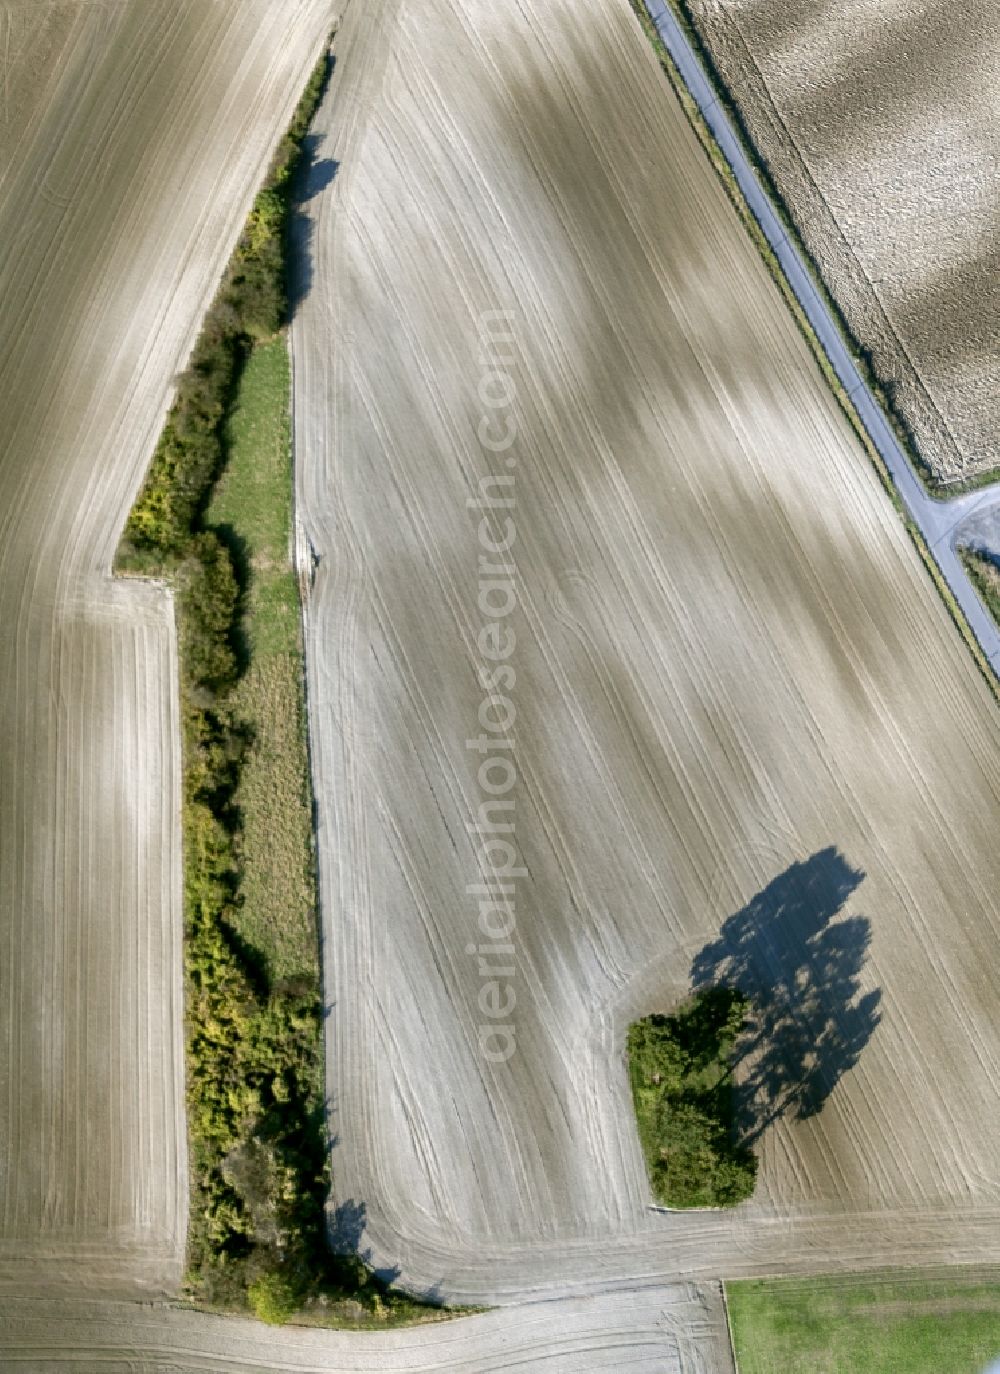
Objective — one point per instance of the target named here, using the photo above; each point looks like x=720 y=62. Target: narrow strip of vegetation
x=214 y=518
x=681 y=1072
x=984 y=574
x=881 y=1323
x=749 y=220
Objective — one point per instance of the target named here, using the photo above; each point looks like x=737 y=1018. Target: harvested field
x=879 y=126
x=730 y=754
x=133 y=137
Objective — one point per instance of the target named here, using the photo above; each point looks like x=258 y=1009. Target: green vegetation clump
x=681 y=1074
x=274 y=1299
x=984 y=574
x=882 y=1323
x=214 y=517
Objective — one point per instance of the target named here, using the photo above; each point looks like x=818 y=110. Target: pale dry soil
x=132 y=137
x=677 y=1329
x=748 y=736
x=880 y=124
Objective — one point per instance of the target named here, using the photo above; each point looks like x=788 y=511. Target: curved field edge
x=860 y=357
x=213 y=518
x=659 y=1329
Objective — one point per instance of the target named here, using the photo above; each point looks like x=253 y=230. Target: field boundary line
x=729 y=1326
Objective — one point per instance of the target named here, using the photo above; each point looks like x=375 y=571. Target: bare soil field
x=679 y=1329
x=131 y=140
x=731 y=756
x=879 y=125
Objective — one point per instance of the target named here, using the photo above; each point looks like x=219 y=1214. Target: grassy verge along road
x=984 y=573
x=880 y=1324
x=680 y=1068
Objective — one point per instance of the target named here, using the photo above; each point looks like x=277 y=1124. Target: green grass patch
x=253 y=496
x=214 y=517
x=680 y=1069
x=277 y=912
x=251 y=509
x=897 y=1323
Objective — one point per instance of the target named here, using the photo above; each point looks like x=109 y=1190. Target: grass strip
x=881 y=1323
x=680 y=1069
x=251 y=509
x=749 y=221
x=214 y=518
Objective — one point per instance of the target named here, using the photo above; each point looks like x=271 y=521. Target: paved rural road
x=942 y=523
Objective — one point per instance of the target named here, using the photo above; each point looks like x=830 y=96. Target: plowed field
x=132 y=139
x=731 y=756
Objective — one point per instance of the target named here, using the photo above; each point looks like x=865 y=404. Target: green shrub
x=984 y=574
x=208 y=595
x=273 y=1299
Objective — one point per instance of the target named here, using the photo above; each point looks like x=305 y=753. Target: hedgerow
x=256 y=1106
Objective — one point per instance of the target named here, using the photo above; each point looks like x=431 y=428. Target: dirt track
x=730 y=677
x=131 y=141
x=879 y=124
x=674 y=1330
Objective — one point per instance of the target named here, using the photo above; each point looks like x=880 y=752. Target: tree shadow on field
x=347 y=1227
x=313 y=175
x=345 y=1232
x=801 y=970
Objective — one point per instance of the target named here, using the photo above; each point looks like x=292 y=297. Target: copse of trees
x=680 y=1067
